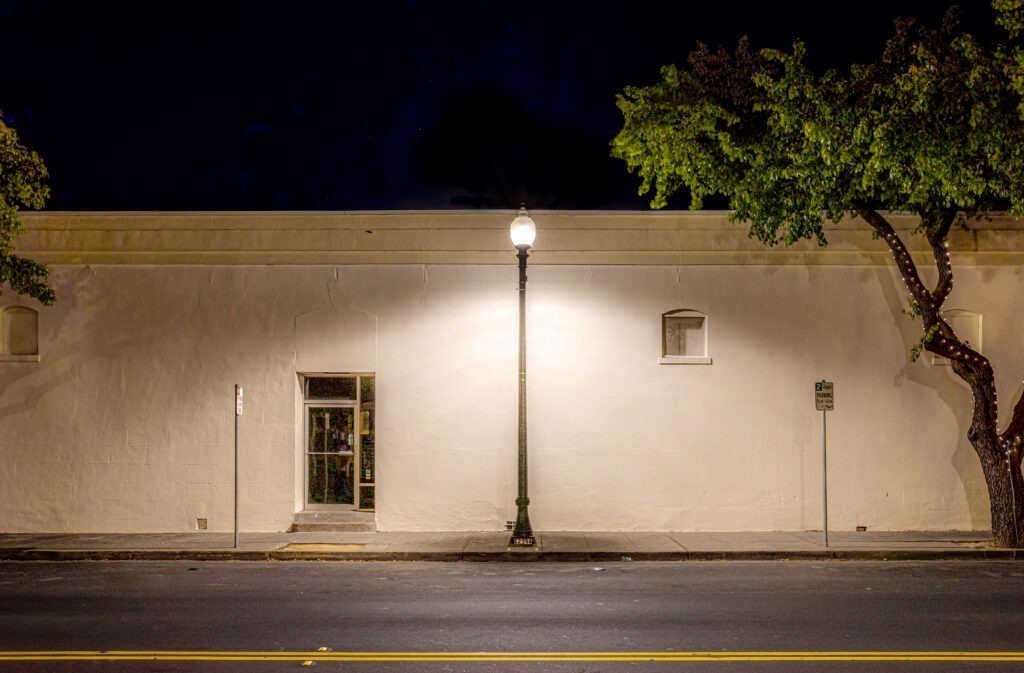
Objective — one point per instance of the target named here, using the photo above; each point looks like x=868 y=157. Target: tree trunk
x=1004 y=491
x=999 y=453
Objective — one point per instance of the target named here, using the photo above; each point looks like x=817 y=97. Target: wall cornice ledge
x=474 y=237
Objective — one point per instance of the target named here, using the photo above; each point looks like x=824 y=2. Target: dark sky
x=412 y=104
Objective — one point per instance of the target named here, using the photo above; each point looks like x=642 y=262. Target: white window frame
x=705 y=358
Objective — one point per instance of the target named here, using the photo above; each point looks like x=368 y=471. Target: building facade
x=672 y=363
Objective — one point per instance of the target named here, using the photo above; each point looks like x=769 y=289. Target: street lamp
x=522 y=231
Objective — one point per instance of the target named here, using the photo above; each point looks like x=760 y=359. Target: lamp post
x=522 y=231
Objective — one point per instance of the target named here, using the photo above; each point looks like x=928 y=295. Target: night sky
x=360 y=106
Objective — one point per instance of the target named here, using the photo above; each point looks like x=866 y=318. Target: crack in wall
x=339 y=299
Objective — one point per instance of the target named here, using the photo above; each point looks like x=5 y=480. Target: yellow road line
x=623 y=657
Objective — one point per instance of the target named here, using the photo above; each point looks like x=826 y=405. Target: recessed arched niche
x=684 y=338
x=19 y=334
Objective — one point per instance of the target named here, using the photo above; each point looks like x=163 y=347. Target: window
x=684 y=338
x=19 y=330
x=331 y=388
x=966 y=326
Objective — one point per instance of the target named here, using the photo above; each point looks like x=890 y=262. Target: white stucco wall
x=125 y=424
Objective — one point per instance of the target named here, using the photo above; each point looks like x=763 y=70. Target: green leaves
x=706 y=108
x=22 y=185
x=914 y=312
x=26 y=278
x=1010 y=15
x=929 y=334
x=931 y=126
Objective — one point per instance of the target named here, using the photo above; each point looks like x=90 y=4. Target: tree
x=22 y=185
x=932 y=127
x=1010 y=15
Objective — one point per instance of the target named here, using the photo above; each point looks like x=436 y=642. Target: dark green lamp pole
x=523 y=231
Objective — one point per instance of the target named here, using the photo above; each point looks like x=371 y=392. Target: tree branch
x=937 y=234
x=967 y=363
x=904 y=263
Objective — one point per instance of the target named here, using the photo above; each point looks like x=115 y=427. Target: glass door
x=331 y=436
x=340 y=443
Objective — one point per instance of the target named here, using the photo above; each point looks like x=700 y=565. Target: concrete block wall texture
x=126 y=422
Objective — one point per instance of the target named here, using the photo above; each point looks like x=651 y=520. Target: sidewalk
x=493 y=546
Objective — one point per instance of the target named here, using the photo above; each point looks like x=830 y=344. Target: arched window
x=684 y=338
x=19 y=328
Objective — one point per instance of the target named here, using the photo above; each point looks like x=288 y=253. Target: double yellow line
x=324 y=656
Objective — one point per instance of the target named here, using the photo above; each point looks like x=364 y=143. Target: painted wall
x=125 y=423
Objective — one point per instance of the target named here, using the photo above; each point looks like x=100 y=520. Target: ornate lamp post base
x=522 y=534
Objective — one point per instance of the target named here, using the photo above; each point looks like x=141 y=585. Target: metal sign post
x=824 y=401
x=238 y=412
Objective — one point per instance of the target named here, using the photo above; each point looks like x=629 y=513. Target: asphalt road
x=745 y=616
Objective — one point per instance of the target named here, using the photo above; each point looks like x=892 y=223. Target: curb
x=518 y=556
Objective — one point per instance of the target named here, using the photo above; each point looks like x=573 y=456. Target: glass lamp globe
x=523 y=230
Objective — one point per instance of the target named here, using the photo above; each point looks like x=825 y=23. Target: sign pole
x=238 y=412
x=824 y=478
x=824 y=401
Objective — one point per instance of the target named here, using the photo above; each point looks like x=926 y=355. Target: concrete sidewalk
x=493 y=546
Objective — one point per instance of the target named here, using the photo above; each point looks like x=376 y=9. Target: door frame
x=302 y=467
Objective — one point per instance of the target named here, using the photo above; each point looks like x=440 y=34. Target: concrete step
x=328 y=521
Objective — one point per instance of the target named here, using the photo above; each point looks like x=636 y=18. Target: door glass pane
x=330 y=479
x=366 y=390
x=366 y=447
x=366 y=497
x=330 y=458
x=331 y=430
x=331 y=388
x=367 y=443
